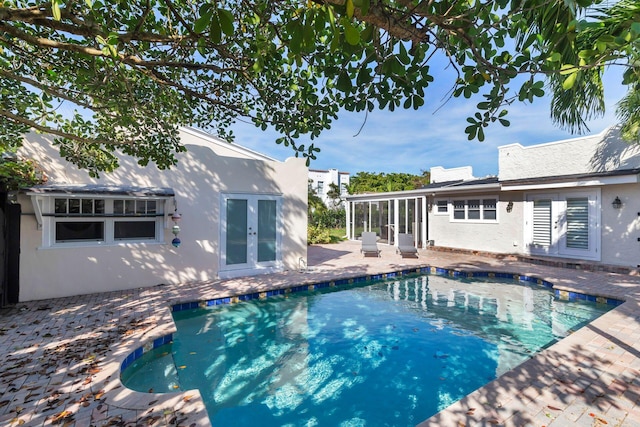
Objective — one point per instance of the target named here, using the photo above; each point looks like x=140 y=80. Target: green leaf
x=471 y=131
x=480 y=134
x=202 y=23
x=344 y=82
x=258 y=65
x=55 y=10
x=351 y=34
x=418 y=102
x=226 y=21
x=350 y=8
x=215 y=32
x=568 y=69
x=555 y=57
x=364 y=76
x=569 y=81
x=364 y=8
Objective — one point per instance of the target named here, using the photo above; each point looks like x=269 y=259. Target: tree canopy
x=110 y=75
x=368 y=182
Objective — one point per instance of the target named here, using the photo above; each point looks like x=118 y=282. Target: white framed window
x=69 y=220
x=442 y=207
x=320 y=188
x=480 y=209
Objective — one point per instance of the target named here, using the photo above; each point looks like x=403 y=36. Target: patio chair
x=369 y=245
x=405 y=246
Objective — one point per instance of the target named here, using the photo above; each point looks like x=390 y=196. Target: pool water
x=389 y=354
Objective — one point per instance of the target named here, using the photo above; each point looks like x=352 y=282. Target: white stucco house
x=320 y=181
x=242 y=213
x=572 y=199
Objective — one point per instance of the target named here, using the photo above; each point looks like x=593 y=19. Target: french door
x=251 y=234
x=564 y=224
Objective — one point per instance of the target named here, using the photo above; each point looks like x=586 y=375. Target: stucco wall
x=440 y=174
x=198 y=179
x=597 y=153
x=504 y=236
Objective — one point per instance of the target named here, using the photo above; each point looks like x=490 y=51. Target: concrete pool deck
x=61 y=358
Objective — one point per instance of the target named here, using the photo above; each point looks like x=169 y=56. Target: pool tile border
x=168 y=338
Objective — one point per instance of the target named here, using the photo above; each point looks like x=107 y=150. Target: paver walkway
x=60 y=359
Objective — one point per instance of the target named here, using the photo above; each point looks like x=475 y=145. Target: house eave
x=631 y=177
x=463 y=189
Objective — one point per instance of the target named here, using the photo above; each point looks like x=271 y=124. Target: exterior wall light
x=617 y=203
x=510 y=206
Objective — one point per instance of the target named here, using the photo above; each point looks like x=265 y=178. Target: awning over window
x=97 y=189
x=39 y=193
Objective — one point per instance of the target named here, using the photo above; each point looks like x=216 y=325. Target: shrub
x=317 y=234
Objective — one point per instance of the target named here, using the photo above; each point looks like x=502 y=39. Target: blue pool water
x=392 y=353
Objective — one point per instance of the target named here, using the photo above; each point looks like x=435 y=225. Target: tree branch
x=50 y=130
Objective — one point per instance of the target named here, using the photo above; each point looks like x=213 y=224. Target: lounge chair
x=369 y=245
x=405 y=246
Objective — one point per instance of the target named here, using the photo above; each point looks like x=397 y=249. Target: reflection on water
x=392 y=353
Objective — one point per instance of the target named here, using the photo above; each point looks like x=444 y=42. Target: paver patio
x=61 y=358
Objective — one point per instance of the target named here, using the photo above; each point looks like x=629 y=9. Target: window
x=442 y=206
x=489 y=209
x=76 y=223
x=458 y=209
x=84 y=220
x=475 y=210
x=320 y=188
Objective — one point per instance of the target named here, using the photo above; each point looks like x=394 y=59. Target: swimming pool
x=391 y=353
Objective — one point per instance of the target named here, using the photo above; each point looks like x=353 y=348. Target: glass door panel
x=267 y=230
x=237 y=232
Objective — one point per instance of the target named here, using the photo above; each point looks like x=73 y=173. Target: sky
x=411 y=141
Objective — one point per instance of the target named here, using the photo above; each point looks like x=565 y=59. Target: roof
x=462 y=183
x=574 y=177
x=115 y=190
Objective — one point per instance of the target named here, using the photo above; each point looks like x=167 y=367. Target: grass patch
x=338 y=234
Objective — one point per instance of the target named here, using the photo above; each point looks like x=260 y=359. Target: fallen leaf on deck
x=553 y=408
x=61 y=416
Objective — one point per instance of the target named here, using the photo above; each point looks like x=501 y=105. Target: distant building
x=320 y=180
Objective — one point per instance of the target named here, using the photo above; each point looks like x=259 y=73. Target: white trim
x=435 y=207
x=252 y=265
x=593 y=182
x=44 y=205
x=563 y=141
x=480 y=220
x=225 y=144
